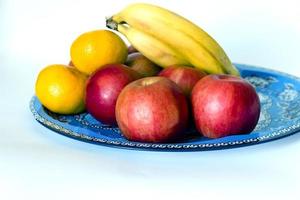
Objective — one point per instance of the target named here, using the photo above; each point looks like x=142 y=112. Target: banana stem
x=110 y=23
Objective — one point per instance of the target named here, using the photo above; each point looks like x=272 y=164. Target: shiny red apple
x=185 y=77
x=152 y=109
x=103 y=89
x=224 y=105
x=142 y=65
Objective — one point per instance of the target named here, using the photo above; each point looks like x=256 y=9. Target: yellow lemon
x=61 y=89
x=92 y=50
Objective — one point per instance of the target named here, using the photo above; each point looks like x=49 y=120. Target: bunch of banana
x=168 y=39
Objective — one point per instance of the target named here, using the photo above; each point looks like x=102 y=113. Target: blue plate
x=280 y=116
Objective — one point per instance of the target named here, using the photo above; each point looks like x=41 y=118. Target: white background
x=36 y=163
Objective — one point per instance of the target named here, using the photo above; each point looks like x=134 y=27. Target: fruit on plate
x=167 y=39
x=92 y=50
x=152 y=109
x=185 y=77
x=60 y=88
x=103 y=89
x=154 y=49
x=224 y=105
x=142 y=65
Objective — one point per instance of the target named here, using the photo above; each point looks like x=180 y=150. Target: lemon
x=92 y=50
x=61 y=89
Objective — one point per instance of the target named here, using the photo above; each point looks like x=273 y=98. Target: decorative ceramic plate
x=280 y=116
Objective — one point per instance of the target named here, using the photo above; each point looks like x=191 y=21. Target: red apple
x=185 y=77
x=142 y=65
x=224 y=105
x=103 y=89
x=152 y=109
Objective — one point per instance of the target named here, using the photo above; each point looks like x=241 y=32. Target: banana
x=189 y=41
x=152 y=48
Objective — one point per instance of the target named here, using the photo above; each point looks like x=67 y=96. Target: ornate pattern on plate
x=278 y=93
x=87 y=120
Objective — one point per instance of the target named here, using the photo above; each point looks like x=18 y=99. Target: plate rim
x=292 y=129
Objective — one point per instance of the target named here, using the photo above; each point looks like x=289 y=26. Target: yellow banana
x=191 y=42
x=152 y=48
